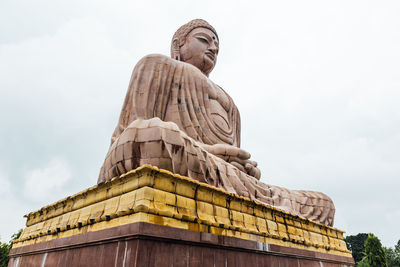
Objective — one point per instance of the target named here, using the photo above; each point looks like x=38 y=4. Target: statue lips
x=211 y=55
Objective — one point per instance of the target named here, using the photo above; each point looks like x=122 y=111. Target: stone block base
x=144 y=244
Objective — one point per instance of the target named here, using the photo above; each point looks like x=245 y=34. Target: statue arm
x=147 y=95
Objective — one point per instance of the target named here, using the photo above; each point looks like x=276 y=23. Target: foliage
x=363 y=263
x=393 y=255
x=5 y=249
x=397 y=248
x=374 y=252
x=393 y=259
x=355 y=243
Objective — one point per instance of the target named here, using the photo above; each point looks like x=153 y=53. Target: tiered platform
x=151 y=217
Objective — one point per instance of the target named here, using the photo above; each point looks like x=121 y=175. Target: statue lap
x=164 y=145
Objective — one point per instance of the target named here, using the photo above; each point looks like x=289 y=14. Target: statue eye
x=202 y=39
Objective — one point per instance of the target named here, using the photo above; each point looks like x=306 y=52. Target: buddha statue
x=174 y=117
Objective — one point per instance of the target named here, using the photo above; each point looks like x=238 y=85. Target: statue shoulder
x=156 y=58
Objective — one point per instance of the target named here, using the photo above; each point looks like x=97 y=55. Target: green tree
x=5 y=249
x=393 y=255
x=374 y=252
x=363 y=263
x=397 y=248
x=355 y=243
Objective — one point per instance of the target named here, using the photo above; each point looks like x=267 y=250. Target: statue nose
x=213 y=48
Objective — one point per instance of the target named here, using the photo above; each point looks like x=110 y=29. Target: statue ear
x=175 y=49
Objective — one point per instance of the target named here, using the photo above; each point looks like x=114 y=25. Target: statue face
x=200 y=49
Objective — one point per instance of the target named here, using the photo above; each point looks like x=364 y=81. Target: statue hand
x=235 y=156
x=247 y=166
x=253 y=170
x=225 y=151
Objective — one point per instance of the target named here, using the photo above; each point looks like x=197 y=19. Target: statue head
x=196 y=43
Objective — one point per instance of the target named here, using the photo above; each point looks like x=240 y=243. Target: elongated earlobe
x=175 y=50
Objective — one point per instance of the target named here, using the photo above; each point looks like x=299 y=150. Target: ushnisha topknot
x=184 y=30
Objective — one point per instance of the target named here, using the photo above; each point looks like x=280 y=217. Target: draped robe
x=167 y=118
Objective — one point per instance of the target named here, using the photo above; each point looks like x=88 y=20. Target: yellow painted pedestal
x=158 y=197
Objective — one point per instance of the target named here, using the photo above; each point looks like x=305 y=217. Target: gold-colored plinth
x=160 y=197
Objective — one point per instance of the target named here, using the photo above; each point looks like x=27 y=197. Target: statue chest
x=219 y=115
x=219 y=107
x=216 y=109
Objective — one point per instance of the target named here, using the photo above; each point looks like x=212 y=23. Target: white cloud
x=11 y=218
x=45 y=182
x=317 y=85
x=5 y=185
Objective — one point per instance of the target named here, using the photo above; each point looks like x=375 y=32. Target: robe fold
x=165 y=120
x=178 y=92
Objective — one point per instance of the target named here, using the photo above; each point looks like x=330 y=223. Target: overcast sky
x=317 y=84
